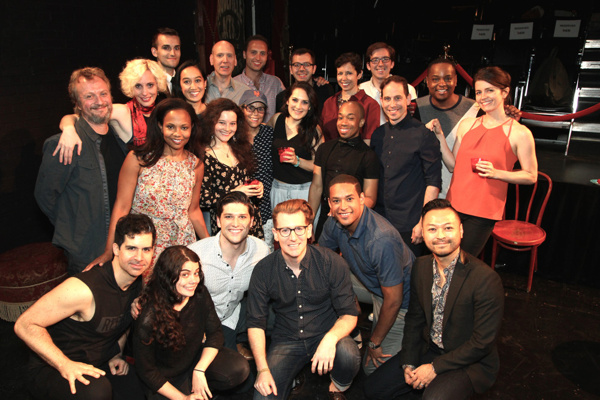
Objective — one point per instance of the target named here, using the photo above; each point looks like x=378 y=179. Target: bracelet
x=297 y=162
x=199 y=370
x=262 y=370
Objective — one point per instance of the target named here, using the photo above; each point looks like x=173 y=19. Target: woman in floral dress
x=229 y=163
x=162 y=179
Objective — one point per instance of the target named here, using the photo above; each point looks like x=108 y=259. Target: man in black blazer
x=453 y=320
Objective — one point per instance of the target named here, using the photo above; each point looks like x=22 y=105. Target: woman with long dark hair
x=229 y=162
x=178 y=338
x=297 y=135
x=189 y=83
x=485 y=152
x=162 y=179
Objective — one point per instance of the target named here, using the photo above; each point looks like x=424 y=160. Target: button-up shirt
x=305 y=306
x=225 y=284
x=375 y=252
x=410 y=160
x=76 y=198
x=439 y=293
x=269 y=85
x=232 y=92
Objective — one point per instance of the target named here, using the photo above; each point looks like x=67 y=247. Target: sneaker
x=358 y=338
x=298 y=383
x=370 y=317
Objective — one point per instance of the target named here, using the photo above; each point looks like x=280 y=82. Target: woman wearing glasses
x=254 y=106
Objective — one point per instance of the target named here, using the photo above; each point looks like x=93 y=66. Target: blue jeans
x=287 y=359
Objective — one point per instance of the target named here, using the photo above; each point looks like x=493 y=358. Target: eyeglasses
x=299 y=231
x=384 y=60
x=252 y=109
x=305 y=65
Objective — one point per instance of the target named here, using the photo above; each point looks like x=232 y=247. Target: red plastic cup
x=474 y=162
x=282 y=151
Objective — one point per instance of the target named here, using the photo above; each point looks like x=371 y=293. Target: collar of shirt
x=448 y=271
x=211 y=81
x=352 y=142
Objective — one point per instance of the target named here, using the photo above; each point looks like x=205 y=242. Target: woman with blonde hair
x=141 y=80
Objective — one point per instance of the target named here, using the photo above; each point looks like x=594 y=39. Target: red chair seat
x=519 y=233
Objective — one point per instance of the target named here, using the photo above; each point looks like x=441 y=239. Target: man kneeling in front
x=311 y=294
x=456 y=306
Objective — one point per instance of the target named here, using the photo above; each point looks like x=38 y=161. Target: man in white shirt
x=228 y=260
x=380 y=61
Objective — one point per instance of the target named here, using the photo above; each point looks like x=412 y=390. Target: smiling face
x=145 y=90
x=256 y=55
x=302 y=73
x=226 y=126
x=223 y=59
x=349 y=120
x=442 y=232
x=298 y=104
x=380 y=64
x=441 y=82
x=189 y=278
x=176 y=128
x=134 y=255
x=254 y=113
x=94 y=100
x=167 y=51
x=394 y=102
x=348 y=77
x=346 y=205
x=293 y=247
x=489 y=97
x=235 y=223
x=193 y=84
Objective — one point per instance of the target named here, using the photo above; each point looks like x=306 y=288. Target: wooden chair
x=524 y=235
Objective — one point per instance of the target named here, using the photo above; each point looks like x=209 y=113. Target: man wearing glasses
x=380 y=62
x=311 y=295
x=302 y=68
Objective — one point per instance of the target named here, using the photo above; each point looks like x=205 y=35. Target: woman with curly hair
x=189 y=83
x=229 y=162
x=297 y=135
x=141 y=81
x=162 y=179
x=178 y=340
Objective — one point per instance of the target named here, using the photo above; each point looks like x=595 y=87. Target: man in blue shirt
x=378 y=258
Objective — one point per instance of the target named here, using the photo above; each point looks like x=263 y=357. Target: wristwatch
x=373 y=345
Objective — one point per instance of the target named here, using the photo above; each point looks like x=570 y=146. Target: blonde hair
x=133 y=71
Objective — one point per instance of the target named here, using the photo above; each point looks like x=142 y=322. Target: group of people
x=374 y=176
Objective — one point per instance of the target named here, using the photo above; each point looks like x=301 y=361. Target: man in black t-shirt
x=78 y=330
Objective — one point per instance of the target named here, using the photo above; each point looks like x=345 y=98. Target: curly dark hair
x=160 y=296
x=150 y=152
x=240 y=142
x=307 y=129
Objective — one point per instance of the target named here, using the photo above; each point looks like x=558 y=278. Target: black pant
x=477 y=231
x=227 y=371
x=47 y=383
x=387 y=382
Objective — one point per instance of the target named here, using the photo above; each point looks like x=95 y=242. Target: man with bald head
x=219 y=82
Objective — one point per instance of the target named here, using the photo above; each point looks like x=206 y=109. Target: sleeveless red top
x=471 y=194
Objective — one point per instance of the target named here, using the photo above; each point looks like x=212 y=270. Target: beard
x=99 y=119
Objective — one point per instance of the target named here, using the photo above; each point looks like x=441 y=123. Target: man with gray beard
x=78 y=198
